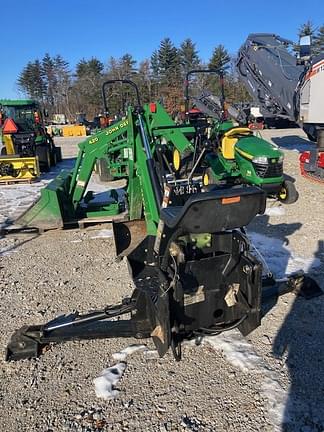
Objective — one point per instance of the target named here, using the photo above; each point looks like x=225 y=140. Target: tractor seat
x=230 y=138
x=218 y=210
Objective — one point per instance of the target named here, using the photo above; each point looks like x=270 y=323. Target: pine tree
x=89 y=74
x=169 y=62
x=89 y=68
x=306 y=29
x=318 y=41
x=220 y=59
x=155 y=64
x=189 y=58
x=50 y=79
x=127 y=65
x=166 y=62
x=63 y=85
x=31 y=81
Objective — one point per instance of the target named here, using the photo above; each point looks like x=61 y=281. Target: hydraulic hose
x=150 y=164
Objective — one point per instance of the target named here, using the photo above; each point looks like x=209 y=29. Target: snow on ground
x=275 y=211
x=241 y=354
x=106 y=382
x=17 y=198
x=237 y=350
x=280 y=259
x=104 y=233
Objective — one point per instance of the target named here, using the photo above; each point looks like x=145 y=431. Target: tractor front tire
x=288 y=193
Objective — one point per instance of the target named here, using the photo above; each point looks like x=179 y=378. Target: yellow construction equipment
x=73 y=130
x=15 y=168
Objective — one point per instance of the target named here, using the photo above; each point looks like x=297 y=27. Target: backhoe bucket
x=53 y=207
x=128 y=235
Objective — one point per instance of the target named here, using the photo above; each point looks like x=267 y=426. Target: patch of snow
x=104 y=233
x=131 y=349
x=241 y=354
x=278 y=256
x=106 y=382
x=275 y=211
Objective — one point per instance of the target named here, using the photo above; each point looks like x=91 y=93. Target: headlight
x=260 y=160
x=281 y=158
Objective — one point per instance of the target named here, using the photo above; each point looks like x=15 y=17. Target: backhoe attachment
x=196 y=277
x=187 y=253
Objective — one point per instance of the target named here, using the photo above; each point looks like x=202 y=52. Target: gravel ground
x=43 y=276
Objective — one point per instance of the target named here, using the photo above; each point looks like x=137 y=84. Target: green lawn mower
x=232 y=153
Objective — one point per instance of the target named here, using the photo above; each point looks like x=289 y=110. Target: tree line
x=59 y=89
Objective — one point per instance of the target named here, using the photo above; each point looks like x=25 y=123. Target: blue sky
x=85 y=28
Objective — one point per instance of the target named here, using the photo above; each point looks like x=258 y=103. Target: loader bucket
x=53 y=207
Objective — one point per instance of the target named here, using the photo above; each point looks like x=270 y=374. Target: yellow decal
x=243 y=153
x=115 y=128
x=110 y=131
x=93 y=140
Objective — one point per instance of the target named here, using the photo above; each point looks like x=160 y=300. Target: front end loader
x=189 y=257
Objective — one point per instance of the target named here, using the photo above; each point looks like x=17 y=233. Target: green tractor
x=232 y=153
x=193 y=268
x=26 y=145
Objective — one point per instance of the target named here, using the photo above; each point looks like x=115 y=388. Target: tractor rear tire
x=103 y=171
x=288 y=193
x=44 y=158
x=53 y=157
x=58 y=152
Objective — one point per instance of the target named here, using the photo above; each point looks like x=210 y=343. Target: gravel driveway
x=273 y=381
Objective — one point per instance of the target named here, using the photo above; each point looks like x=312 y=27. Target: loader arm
x=116 y=138
x=160 y=124
x=95 y=147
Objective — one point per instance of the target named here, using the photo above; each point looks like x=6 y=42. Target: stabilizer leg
x=298 y=283
x=30 y=341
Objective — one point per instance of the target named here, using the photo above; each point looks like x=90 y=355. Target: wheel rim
x=283 y=193
x=176 y=159
x=205 y=179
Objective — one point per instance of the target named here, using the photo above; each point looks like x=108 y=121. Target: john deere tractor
x=231 y=151
x=193 y=267
x=26 y=146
